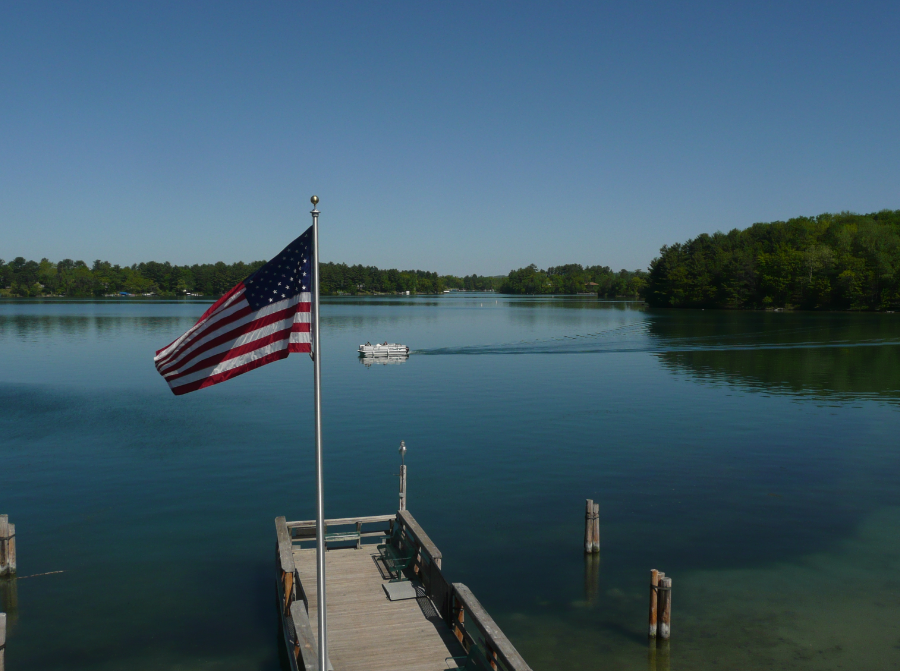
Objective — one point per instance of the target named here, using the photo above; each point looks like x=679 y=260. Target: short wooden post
x=665 y=608
x=588 y=526
x=4 y=544
x=403 y=487
x=654 y=581
x=2 y=640
x=596 y=523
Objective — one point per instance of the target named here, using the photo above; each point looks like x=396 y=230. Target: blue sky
x=459 y=137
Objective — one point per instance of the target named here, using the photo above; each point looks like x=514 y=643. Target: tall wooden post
x=654 y=581
x=596 y=523
x=588 y=526
x=665 y=608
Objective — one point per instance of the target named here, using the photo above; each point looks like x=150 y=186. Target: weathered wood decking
x=368 y=631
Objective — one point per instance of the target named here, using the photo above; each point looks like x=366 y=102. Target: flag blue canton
x=286 y=275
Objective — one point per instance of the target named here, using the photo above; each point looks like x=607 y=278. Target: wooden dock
x=367 y=630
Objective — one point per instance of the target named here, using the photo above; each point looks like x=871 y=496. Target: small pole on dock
x=402 y=475
x=596 y=521
x=665 y=608
x=588 y=526
x=654 y=581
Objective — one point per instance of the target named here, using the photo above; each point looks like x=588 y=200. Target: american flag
x=262 y=319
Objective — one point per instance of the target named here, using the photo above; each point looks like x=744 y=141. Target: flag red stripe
x=228 y=374
x=178 y=356
x=230 y=336
x=232 y=353
x=201 y=322
x=205 y=330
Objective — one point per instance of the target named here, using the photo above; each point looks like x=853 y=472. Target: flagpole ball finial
x=314 y=200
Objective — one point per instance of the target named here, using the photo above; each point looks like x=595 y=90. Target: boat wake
x=639 y=338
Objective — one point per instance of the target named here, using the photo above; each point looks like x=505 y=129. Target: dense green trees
x=574 y=279
x=473 y=282
x=75 y=279
x=832 y=261
x=339 y=278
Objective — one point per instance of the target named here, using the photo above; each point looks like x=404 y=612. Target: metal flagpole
x=320 y=496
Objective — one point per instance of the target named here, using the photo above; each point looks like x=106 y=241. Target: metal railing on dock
x=461 y=611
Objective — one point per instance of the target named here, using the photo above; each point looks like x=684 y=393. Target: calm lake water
x=753 y=457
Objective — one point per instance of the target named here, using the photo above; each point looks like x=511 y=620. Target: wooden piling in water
x=596 y=524
x=665 y=608
x=2 y=640
x=654 y=581
x=588 y=526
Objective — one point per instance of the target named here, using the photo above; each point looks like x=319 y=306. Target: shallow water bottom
x=835 y=610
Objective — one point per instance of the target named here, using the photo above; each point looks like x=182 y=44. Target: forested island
x=830 y=262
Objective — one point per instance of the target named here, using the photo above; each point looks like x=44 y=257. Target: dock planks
x=367 y=631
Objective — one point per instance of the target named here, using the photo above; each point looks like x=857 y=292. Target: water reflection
x=841 y=356
x=9 y=600
x=31 y=327
x=591 y=577
x=369 y=361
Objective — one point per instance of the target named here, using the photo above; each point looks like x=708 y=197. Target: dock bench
x=395 y=559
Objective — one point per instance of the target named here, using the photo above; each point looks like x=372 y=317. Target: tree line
x=575 y=279
x=70 y=278
x=76 y=279
x=829 y=262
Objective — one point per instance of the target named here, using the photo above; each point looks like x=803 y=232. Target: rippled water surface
x=752 y=456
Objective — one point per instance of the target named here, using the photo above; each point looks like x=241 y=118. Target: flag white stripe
x=224 y=310
x=244 y=339
x=230 y=363
x=166 y=366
